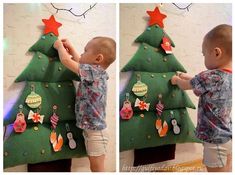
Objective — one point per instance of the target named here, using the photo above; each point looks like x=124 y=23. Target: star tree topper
x=156 y=17
x=51 y=26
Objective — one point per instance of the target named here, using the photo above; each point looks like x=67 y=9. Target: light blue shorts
x=215 y=155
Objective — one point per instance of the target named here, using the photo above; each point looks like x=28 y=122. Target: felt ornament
x=51 y=25
x=172 y=97
x=139 y=88
x=57 y=143
x=166 y=45
x=126 y=111
x=142 y=104
x=175 y=126
x=159 y=106
x=19 y=124
x=33 y=100
x=54 y=118
x=69 y=134
x=162 y=128
x=156 y=17
x=36 y=117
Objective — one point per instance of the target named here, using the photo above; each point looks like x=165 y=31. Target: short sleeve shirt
x=214 y=88
x=91 y=97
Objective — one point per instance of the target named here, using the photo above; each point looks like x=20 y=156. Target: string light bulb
x=160 y=5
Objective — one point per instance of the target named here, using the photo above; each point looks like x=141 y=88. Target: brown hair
x=221 y=36
x=107 y=47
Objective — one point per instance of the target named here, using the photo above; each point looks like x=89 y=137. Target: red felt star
x=51 y=25
x=156 y=17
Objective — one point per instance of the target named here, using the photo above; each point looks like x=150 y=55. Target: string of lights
x=183 y=8
x=70 y=10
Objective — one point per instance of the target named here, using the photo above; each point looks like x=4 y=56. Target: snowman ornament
x=176 y=128
x=72 y=142
x=175 y=125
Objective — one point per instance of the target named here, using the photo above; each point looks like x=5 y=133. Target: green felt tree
x=159 y=114
x=49 y=91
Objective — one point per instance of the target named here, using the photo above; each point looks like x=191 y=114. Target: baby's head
x=99 y=51
x=217 y=47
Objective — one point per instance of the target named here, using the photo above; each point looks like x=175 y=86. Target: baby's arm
x=65 y=58
x=72 y=51
x=183 y=81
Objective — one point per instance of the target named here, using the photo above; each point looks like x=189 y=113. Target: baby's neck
x=104 y=66
x=227 y=65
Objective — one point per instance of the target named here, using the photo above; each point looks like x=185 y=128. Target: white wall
x=186 y=29
x=23 y=27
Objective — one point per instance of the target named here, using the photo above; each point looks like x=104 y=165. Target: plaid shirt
x=91 y=98
x=214 y=88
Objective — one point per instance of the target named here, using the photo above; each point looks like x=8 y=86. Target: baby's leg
x=226 y=168
x=96 y=147
x=97 y=163
x=218 y=158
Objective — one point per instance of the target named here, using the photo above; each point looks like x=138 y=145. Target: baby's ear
x=218 y=52
x=99 y=58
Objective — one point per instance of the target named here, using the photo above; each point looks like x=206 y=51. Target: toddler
x=99 y=53
x=214 y=88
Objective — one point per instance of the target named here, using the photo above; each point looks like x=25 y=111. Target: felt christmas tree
x=40 y=127
x=152 y=110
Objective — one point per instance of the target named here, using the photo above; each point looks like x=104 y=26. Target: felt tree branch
x=70 y=10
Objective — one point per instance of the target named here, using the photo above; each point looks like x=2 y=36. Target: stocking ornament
x=159 y=106
x=139 y=88
x=72 y=142
x=161 y=128
x=19 y=124
x=57 y=142
x=33 y=100
x=175 y=125
x=126 y=111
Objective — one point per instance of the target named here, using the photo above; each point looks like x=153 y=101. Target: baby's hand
x=67 y=45
x=57 y=44
x=174 y=79
x=184 y=76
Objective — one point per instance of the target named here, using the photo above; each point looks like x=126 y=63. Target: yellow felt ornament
x=33 y=100
x=140 y=88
